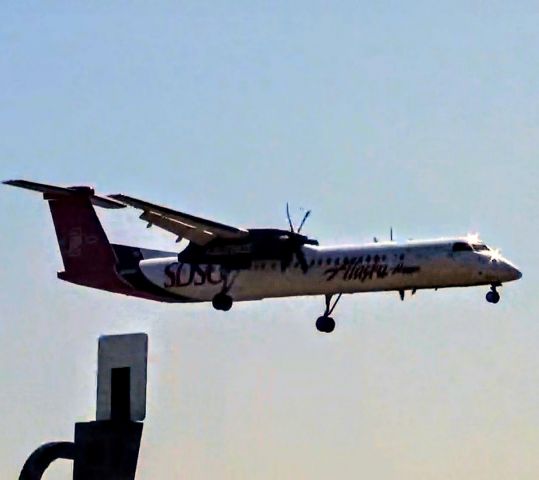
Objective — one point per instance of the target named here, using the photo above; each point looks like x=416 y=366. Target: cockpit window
x=462 y=247
x=479 y=247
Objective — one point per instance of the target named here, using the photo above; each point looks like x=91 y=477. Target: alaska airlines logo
x=181 y=274
x=356 y=270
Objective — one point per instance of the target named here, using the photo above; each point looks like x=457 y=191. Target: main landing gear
x=325 y=323
x=493 y=296
x=223 y=301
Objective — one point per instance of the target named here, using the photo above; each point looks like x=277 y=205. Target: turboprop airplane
x=224 y=264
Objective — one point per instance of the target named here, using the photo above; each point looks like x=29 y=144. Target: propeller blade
x=286 y=260
x=305 y=217
x=301 y=260
x=289 y=219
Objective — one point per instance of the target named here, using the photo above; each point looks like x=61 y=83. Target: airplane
x=226 y=264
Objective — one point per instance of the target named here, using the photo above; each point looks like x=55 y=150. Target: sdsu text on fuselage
x=223 y=264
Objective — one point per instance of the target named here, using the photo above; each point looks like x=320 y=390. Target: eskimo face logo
x=75 y=241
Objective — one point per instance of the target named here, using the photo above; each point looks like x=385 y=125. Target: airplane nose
x=514 y=272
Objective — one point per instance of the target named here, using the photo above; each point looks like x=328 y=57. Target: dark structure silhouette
x=103 y=449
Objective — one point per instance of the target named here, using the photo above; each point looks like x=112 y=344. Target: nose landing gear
x=493 y=296
x=325 y=323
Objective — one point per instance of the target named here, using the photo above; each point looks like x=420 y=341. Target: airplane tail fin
x=84 y=246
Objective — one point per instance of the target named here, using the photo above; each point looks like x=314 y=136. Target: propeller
x=305 y=217
x=294 y=241
x=289 y=218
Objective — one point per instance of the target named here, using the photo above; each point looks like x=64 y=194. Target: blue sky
x=422 y=117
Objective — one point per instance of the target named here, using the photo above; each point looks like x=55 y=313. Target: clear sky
x=419 y=115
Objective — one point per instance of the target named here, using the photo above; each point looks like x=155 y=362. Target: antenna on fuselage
x=375 y=239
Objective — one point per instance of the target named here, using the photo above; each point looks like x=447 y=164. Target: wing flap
x=183 y=230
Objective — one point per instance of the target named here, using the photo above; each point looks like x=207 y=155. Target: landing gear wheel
x=222 y=301
x=325 y=324
x=493 y=296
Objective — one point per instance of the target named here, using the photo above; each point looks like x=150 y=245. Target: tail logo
x=76 y=240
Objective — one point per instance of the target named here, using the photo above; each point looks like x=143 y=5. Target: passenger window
x=376 y=258
x=462 y=247
x=328 y=261
x=368 y=258
x=320 y=262
x=337 y=261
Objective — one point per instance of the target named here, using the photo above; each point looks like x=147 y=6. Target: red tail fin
x=85 y=249
x=89 y=259
x=83 y=243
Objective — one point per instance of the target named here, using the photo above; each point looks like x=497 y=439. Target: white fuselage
x=343 y=269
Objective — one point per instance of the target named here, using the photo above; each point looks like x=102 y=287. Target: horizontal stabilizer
x=51 y=192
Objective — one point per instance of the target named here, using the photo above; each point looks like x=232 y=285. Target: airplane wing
x=195 y=229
